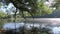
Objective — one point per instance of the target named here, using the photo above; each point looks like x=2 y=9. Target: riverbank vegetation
x=29 y=9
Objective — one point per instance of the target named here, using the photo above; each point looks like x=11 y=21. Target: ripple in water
x=56 y=30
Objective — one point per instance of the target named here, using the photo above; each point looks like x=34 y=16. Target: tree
x=2 y=15
x=34 y=7
x=56 y=4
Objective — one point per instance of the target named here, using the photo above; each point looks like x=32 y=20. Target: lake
x=29 y=22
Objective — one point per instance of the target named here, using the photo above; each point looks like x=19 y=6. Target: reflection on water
x=2 y=22
x=12 y=25
x=56 y=30
x=53 y=25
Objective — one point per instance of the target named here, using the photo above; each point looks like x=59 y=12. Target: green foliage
x=0 y=4
x=44 y=9
x=56 y=4
x=57 y=1
x=41 y=9
x=37 y=7
x=2 y=22
x=0 y=0
x=47 y=10
x=2 y=15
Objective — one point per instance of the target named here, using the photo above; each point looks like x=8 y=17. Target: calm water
x=52 y=23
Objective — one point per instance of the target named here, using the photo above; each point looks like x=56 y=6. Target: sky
x=8 y=8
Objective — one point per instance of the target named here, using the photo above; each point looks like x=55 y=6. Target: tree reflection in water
x=24 y=30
